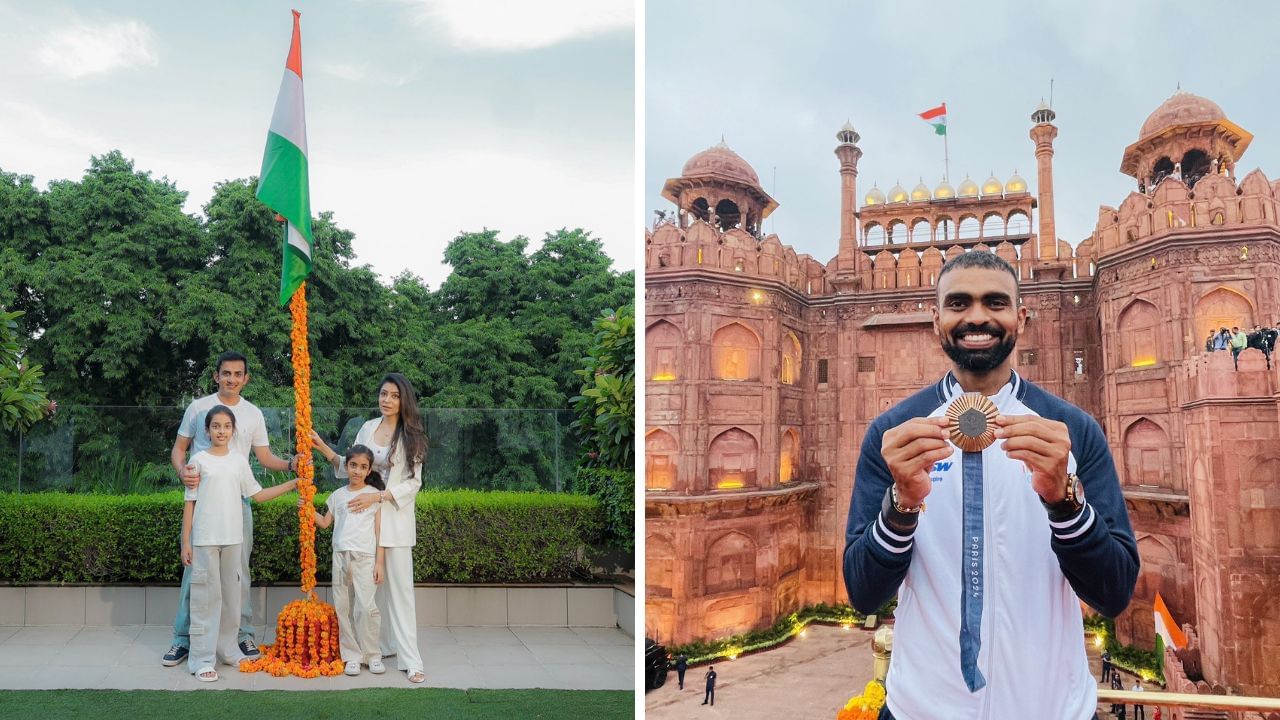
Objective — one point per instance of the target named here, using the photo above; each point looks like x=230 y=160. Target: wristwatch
x=1070 y=505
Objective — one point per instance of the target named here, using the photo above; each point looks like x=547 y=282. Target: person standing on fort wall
x=1021 y=525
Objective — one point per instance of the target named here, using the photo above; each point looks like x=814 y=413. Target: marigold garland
x=865 y=706
x=307 y=629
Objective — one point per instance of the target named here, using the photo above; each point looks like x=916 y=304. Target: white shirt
x=224 y=480
x=352 y=532
x=251 y=427
x=399 y=522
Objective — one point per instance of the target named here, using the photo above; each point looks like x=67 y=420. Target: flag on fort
x=937 y=117
x=1168 y=634
x=282 y=185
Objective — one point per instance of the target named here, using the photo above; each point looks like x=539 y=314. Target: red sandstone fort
x=764 y=367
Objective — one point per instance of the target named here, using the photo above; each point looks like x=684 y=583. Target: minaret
x=849 y=260
x=1043 y=133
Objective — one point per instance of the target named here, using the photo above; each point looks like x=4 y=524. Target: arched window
x=873 y=235
x=1019 y=223
x=1138 y=337
x=730 y=216
x=920 y=231
x=662 y=348
x=1146 y=456
x=969 y=228
x=789 y=456
x=791 y=354
x=735 y=353
x=732 y=460
x=660 y=455
x=993 y=226
x=897 y=232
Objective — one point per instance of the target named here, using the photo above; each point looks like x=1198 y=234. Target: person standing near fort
x=1021 y=526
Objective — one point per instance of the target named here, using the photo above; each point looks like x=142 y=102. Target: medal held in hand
x=972 y=422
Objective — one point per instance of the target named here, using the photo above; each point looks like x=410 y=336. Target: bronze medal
x=972 y=422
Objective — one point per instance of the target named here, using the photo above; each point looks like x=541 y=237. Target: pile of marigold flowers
x=306 y=642
x=306 y=630
x=865 y=706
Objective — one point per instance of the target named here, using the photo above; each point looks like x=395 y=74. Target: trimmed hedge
x=616 y=490
x=463 y=536
x=1136 y=660
x=786 y=627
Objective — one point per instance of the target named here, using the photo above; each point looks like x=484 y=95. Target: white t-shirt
x=352 y=532
x=251 y=427
x=224 y=480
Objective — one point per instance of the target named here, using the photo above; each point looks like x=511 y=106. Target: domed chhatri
x=719 y=161
x=920 y=193
x=1183 y=108
x=898 y=194
x=992 y=186
x=944 y=191
x=1015 y=184
x=875 y=196
x=968 y=188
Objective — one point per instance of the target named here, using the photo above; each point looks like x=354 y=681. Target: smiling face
x=231 y=378
x=389 y=400
x=221 y=427
x=978 y=318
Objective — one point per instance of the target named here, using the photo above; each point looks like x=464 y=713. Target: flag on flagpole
x=1168 y=634
x=282 y=185
x=937 y=117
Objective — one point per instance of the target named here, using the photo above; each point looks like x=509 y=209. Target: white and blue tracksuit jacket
x=988 y=620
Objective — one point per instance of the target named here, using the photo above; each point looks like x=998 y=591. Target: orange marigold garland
x=307 y=629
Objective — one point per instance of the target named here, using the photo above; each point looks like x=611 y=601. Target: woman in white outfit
x=399 y=445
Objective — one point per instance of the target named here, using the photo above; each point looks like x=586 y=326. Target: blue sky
x=425 y=118
x=778 y=80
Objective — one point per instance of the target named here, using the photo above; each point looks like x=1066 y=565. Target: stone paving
x=128 y=658
x=809 y=677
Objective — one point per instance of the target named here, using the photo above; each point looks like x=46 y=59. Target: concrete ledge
x=436 y=605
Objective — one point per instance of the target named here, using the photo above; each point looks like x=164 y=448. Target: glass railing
x=117 y=450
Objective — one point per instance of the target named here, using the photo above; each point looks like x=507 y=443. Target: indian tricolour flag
x=1168 y=634
x=937 y=117
x=282 y=185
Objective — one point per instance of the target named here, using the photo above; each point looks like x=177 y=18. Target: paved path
x=809 y=677
x=128 y=658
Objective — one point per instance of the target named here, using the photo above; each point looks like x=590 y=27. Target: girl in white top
x=213 y=549
x=399 y=446
x=358 y=563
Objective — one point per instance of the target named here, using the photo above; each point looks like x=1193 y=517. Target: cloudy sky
x=425 y=118
x=778 y=83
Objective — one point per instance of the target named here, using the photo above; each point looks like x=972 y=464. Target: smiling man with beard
x=990 y=576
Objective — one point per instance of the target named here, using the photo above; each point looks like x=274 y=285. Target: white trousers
x=215 y=606
x=358 y=616
x=395 y=601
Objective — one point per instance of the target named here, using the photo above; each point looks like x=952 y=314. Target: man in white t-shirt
x=231 y=374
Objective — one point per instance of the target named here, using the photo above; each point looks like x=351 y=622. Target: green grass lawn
x=345 y=704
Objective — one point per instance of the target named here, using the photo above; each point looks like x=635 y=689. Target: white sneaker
x=352 y=668
x=376 y=667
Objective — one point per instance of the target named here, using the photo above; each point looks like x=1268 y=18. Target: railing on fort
x=126 y=449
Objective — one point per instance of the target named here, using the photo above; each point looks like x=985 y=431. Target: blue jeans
x=182 y=622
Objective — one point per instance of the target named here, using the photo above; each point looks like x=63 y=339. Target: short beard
x=979 y=361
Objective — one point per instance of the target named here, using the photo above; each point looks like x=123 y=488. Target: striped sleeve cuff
x=894 y=542
x=1069 y=529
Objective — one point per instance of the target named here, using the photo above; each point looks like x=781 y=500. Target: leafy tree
x=22 y=397
x=606 y=407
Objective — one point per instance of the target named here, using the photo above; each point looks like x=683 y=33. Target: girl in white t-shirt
x=212 y=537
x=358 y=563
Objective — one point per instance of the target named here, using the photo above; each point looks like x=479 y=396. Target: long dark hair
x=409 y=429
x=374 y=478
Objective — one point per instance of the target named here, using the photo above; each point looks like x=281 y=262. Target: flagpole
x=946 y=160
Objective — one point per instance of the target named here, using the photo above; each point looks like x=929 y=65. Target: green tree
x=23 y=401
x=606 y=405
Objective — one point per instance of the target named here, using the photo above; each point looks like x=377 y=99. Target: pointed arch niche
x=1148 y=458
x=730 y=564
x=1222 y=308
x=732 y=459
x=660 y=454
x=735 y=353
x=791 y=356
x=659 y=566
x=662 y=351
x=1138 y=334
x=789 y=457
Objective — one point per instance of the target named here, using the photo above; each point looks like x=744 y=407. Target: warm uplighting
x=846 y=626
x=663 y=377
x=731 y=481
x=1143 y=362
x=757 y=296
x=1097 y=641
x=803 y=633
